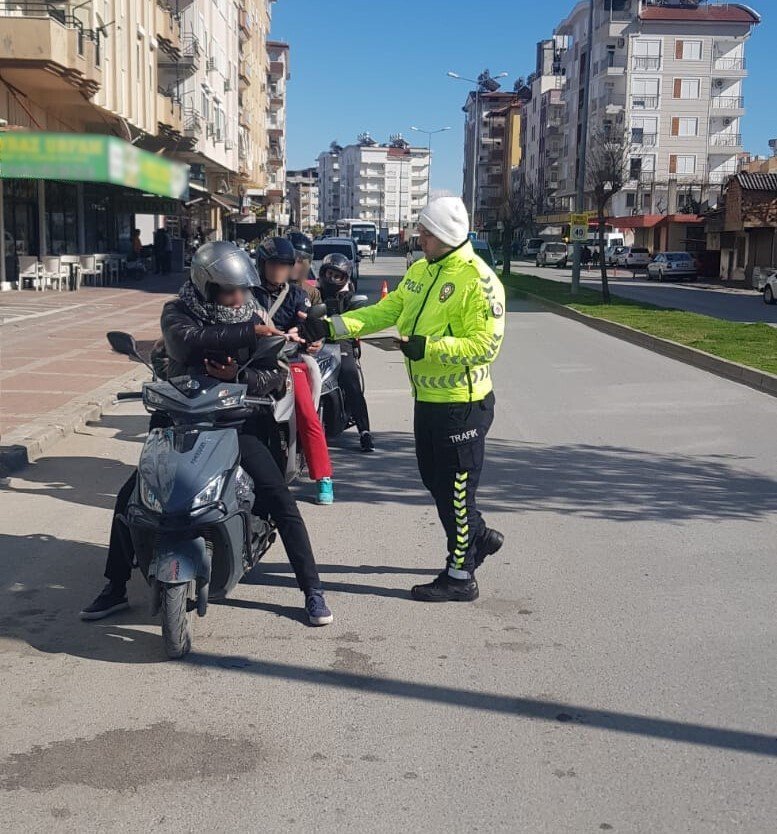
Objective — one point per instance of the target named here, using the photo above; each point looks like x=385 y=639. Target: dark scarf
x=212 y=313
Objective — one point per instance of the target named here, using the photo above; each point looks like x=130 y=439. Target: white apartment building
x=302 y=198
x=669 y=73
x=387 y=184
x=329 y=184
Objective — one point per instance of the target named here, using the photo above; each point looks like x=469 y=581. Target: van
x=553 y=253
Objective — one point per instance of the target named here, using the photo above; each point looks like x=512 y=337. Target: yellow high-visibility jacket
x=458 y=303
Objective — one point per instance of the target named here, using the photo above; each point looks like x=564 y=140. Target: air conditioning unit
x=718 y=83
x=727 y=122
x=210 y=65
x=227 y=85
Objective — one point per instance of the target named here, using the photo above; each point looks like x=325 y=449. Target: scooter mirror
x=358 y=301
x=123 y=343
x=317 y=311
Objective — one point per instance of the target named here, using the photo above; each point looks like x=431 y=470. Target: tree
x=607 y=169
x=519 y=213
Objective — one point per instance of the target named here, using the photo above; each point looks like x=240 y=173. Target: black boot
x=488 y=545
x=111 y=599
x=447 y=589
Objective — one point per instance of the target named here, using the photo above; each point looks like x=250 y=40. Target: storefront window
x=62 y=218
x=21 y=215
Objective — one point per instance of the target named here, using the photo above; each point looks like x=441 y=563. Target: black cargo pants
x=450 y=442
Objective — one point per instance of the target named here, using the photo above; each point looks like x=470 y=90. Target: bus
x=363 y=232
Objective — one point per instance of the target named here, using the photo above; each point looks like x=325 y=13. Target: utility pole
x=582 y=149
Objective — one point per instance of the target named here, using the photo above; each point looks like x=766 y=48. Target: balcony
x=245 y=24
x=179 y=63
x=645 y=140
x=733 y=66
x=168 y=31
x=644 y=63
x=277 y=69
x=726 y=140
x=169 y=113
x=244 y=74
x=639 y=102
x=731 y=104
x=192 y=123
x=46 y=49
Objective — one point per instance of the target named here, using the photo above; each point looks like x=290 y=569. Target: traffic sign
x=578 y=228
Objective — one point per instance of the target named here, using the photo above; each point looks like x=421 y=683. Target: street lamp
x=486 y=83
x=429 y=134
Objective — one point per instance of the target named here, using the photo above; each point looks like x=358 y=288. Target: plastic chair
x=29 y=270
x=89 y=270
x=53 y=271
x=72 y=263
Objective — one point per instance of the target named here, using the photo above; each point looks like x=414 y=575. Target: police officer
x=449 y=310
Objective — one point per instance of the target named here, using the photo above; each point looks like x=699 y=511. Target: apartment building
x=278 y=75
x=302 y=198
x=669 y=74
x=492 y=149
x=385 y=183
x=329 y=184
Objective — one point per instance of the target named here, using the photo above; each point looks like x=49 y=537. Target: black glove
x=313 y=330
x=414 y=347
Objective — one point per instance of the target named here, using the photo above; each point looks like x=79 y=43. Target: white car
x=770 y=288
x=672 y=266
x=633 y=257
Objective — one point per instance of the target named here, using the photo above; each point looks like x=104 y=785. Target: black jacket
x=285 y=316
x=188 y=340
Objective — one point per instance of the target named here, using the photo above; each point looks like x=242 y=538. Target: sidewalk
x=56 y=367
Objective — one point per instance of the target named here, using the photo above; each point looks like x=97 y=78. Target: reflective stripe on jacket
x=458 y=303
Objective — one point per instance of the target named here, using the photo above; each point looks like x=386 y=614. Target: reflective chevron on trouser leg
x=462 y=520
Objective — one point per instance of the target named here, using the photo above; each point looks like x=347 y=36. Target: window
x=644 y=93
x=688 y=50
x=647 y=55
x=682 y=163
x=646 y=202
x=684 y=126
x=635 y=167
x=687 y=88
x=631 y=200
x=644 y=130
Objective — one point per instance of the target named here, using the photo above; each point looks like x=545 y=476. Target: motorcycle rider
x=303 y=274
x=334 y=280
x=215 y=320
x=449 y=310
x=287 y=303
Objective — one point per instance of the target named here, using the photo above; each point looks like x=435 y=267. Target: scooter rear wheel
x=176 y=628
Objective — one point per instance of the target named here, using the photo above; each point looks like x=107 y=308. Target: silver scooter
x=190 y=514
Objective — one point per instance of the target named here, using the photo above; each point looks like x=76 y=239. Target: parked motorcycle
x=190 y=515
x=333 y=410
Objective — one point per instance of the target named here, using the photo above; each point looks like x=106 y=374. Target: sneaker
x=316 y=608
x=326 y=491
x=491 y=542
x=111 y=599
x=365 y=439
x=446 y=589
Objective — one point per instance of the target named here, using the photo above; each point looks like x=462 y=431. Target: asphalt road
x=617 y=673
x=726 y=303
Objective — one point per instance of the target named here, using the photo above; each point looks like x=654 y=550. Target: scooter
x=333 y=408
x=190 y=515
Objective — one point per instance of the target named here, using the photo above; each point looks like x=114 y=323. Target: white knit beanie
x=446 y=218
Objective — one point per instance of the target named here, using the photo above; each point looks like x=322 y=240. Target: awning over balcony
x=649 y=221
x=79 y=157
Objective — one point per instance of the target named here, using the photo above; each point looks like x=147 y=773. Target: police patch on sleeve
x=497 y=310
x=446 y=291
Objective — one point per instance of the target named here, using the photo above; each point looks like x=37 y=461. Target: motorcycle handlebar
x=129 y=395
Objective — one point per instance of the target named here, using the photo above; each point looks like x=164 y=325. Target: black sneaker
x=491 y=542
x=446 y=589
x=365 y=439
x=111 y=599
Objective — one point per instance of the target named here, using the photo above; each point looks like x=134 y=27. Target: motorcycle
x=190 y=515
x=333 y=408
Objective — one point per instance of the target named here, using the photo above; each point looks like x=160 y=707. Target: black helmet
x=303 y=245
x=340 y=266
x=222 y=264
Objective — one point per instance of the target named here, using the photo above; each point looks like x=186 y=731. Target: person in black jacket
x=334 y=281
x=211 y=327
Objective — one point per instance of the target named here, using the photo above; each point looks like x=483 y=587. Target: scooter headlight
x=210 y=493
x=149 y=499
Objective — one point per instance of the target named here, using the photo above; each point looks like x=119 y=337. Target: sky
x=380 y=67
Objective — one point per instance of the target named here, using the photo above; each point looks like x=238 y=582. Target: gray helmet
x=222 y=264
x=335 y=270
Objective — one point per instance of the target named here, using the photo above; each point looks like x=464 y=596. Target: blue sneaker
x=326 y=491
x=316 y=607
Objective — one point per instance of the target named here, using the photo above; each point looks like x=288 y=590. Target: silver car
x=633 y=257
x=672 y=266
x=553 y=253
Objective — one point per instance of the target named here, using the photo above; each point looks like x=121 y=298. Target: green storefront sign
x=79 y=157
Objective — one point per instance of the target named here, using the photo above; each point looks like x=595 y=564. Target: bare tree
x=607 y=170
x=519 y=212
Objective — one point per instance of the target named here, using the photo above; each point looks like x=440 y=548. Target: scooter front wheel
x=176 y=628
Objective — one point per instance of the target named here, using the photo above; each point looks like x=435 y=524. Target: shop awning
x=79 y=157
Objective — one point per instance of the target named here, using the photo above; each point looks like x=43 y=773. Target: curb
x=26 y=443
x=761 y=381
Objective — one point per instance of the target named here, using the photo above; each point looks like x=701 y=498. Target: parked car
x=342 y=245
x=611 y=254
x=770 y=288
x=483 y=248
x=532 y=247
x=553 y=253
x=633 y=257
x=672 y=265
